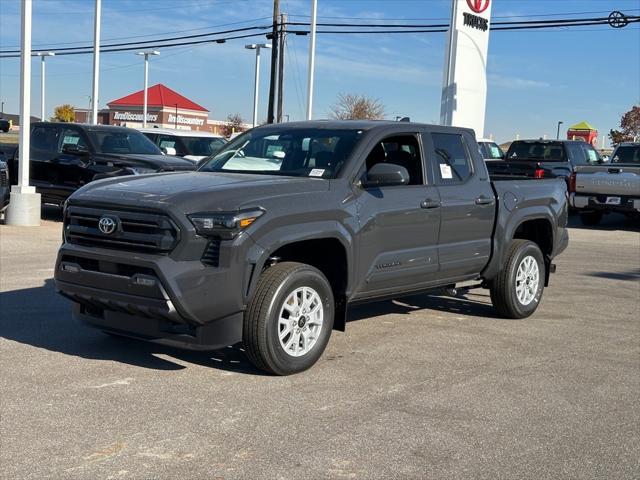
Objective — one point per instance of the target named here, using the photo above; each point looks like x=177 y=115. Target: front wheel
x=289 y=320
x=517 y=290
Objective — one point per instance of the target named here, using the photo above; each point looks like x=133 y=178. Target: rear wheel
x=590 y=218
x=289 y=319
x=517 y=290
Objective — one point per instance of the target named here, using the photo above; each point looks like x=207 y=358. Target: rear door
x=72 y=162
x=44 y=149
x=467 y=204
x=398 y=240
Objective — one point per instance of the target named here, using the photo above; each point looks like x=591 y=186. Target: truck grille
x=4 y=179
x=146 y=232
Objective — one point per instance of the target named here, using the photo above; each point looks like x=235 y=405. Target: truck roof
x=84 y=126
x=357 y=124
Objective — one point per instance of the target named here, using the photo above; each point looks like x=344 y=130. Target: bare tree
x=357 y=107
x=235 y=123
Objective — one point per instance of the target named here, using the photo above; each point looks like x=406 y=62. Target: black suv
x=66 y=156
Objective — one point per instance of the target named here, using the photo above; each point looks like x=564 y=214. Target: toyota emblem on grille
x=107 y=225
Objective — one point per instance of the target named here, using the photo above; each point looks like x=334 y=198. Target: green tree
x=629 y=127
x=64 y=113
x=357 y=107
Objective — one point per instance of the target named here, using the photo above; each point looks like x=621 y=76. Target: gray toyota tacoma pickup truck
x=271 y=240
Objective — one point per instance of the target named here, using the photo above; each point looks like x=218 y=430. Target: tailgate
x=608 y=180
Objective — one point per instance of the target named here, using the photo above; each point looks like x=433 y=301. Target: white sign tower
x=464 y=90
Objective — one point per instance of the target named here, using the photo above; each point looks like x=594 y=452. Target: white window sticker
x=445 y=171
x=316 y=172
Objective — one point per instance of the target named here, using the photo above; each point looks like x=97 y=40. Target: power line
x=389 y=29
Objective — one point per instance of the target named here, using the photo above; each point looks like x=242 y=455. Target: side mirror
x=386 y=175
x=71 y=149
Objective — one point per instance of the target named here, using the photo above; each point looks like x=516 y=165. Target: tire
x=590 y=218
x=511 y=297
x=267 y=318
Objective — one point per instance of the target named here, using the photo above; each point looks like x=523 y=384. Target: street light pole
x=312 y=58
x=146 y=78
x=96 y=63
x=24 y=203
x=257 y=48
x=558 y=132
x=42 y=56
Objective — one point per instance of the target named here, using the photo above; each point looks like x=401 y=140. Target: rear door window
x=591 y=154
x=452 y=162
x=72 y=137
x=537 y=151
x=45 y=139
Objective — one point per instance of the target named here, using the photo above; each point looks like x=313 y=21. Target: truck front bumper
x=600 y=202
x=154 y=297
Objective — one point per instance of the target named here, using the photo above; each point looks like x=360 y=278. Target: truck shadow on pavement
x=612 y=222
x=41 y=318
x=458 y=305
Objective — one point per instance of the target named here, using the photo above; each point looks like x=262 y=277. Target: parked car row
x=596 y=187
x=614 y=187
x=67 y=156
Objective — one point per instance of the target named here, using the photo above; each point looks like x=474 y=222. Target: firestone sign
x=464 y=91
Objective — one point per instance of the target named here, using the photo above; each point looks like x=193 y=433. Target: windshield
x=202 y=146
x=537 y=151
x=312 y=152
x=491 y=150
x=122 y=141
x=626 y=154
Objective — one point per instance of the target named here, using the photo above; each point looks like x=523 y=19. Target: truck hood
x=196 y=191
x=167 y=162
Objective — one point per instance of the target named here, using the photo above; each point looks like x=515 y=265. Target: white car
x=192 y=145
x=490 y=150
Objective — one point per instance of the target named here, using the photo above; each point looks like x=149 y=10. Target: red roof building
x=166 y=108
x=158 y=96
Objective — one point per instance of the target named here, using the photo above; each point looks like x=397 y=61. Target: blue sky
x=535 y=77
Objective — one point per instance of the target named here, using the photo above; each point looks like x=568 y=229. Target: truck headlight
x=226 y=225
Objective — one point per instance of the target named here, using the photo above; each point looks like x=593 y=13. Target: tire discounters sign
x=464 y=89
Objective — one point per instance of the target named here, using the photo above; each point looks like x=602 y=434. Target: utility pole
x=274 y=60
x=283 y=28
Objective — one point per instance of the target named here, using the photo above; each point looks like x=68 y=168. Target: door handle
x=428 y=203
x=484 y=200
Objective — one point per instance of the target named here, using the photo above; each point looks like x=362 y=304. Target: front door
x=398 y=240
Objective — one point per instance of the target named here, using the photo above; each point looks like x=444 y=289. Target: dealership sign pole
x=464 y=89
x=24 y=204
x=96 y=63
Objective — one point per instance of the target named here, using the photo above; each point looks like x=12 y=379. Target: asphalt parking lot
x=423 y=387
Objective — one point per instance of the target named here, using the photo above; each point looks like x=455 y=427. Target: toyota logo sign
x=478 y=6
x=107 y=225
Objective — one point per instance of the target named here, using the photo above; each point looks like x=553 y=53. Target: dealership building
x=166 y=108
